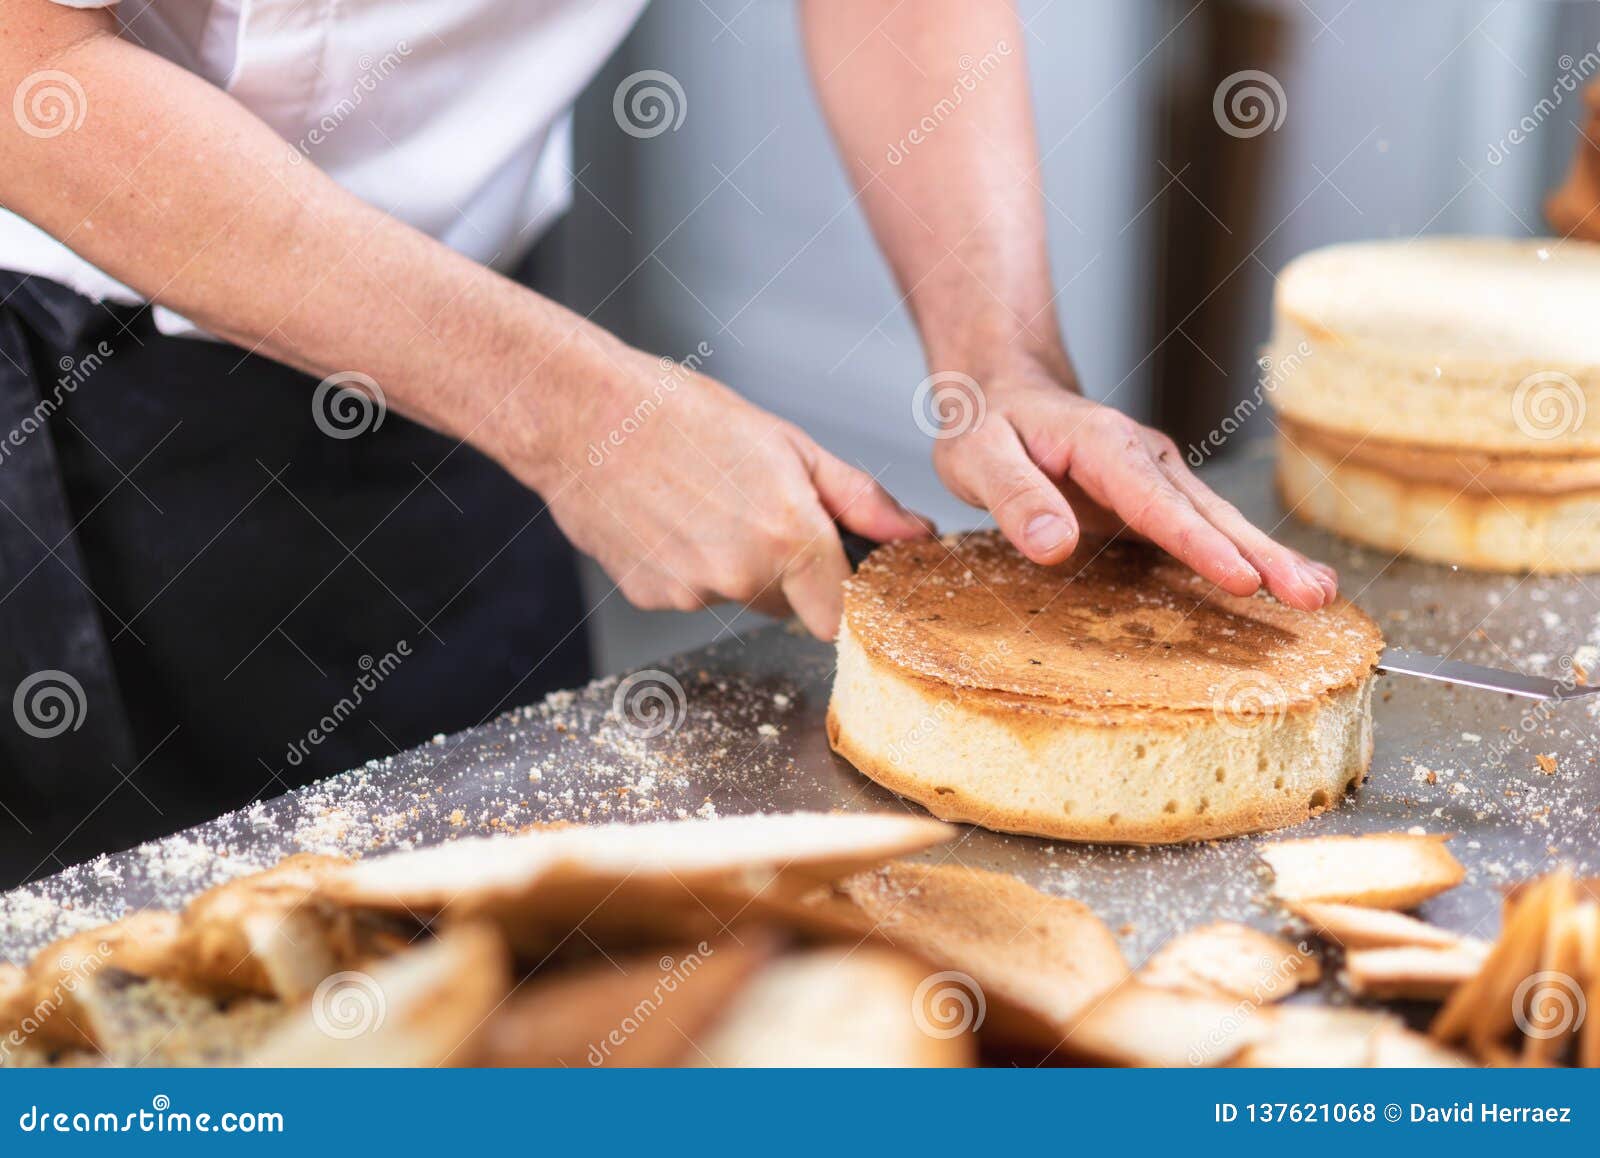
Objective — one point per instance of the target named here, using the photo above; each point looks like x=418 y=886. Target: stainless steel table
x=751 y=739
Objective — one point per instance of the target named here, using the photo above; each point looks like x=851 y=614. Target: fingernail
x=1312 y=581
x=1046 y=532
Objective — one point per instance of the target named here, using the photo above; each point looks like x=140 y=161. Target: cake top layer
x=1118 y=626
x=1453 y=299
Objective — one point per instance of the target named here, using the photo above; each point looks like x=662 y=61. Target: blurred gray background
x=738 y=228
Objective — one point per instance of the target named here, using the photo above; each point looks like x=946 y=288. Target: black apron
x=206 y=599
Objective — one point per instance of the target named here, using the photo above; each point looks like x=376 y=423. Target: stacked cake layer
x=1434 y=397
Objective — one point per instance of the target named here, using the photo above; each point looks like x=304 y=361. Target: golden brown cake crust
x=1481 y=472
x=1121 y=631
x=1385 y=502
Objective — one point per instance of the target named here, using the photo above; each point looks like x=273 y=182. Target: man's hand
x=697 y=496
x=704 y=498
x=930 y=106
x=1049 y=464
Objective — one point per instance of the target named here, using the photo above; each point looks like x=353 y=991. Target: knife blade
x=1398 y=660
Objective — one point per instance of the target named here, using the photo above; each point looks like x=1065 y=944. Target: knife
x=1399 y=661
x=1396 y=660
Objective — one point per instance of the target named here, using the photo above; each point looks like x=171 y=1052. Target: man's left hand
x=1049 y=464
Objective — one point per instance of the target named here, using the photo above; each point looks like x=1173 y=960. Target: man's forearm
x=930 y=105
x=173 y=188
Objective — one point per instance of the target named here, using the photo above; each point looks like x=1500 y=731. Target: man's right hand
x=688 y=495
x=704 y=498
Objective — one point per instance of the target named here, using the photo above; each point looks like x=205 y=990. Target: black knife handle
x=856 y=547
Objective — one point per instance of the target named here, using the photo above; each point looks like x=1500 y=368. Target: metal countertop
x=752 y=739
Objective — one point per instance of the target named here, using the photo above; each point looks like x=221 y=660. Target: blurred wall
x=1394 y=112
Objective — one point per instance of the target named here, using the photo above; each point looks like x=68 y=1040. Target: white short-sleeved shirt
x=451 y=115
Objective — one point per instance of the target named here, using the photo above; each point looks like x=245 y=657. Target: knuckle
x=1186 y=540
x=684 y=599
x=1164 y=448
x=972 y=452
x=806 y=452
x=645 y=596
x=799 y=566
x=1015 y=498
x=1115 y=427
x=659 y=593
x=745 y=585
x=1055 y=447
x=1138 y=501
x=974 y=438
x=1146 y=511
x=1218 y=508
x=864 y=490
x=778 y=536
x=803 y=527
x=810 y=555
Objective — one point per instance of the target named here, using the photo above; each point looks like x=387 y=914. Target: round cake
x=1119 y=697
x=1435 y=398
